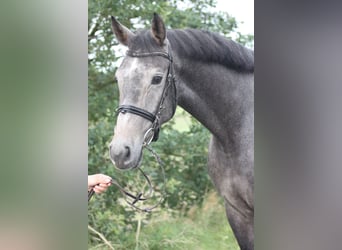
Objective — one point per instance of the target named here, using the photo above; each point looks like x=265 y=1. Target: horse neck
x=218 y=97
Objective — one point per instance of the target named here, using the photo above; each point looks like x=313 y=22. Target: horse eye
x=156 y=80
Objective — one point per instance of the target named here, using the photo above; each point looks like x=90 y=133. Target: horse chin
x=138 y=164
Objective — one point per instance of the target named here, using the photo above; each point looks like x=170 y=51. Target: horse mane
x=211 y=47
x=199 y=45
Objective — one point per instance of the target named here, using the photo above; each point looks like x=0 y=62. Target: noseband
x=153 y=132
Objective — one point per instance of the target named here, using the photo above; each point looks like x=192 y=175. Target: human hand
x=99 y=182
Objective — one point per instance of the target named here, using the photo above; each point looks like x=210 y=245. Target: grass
x=204 y=228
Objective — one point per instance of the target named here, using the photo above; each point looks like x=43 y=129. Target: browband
x=148 y=54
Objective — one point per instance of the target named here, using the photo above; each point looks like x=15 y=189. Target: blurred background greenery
x=191 y=215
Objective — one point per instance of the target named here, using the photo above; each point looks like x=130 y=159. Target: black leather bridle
x=153 y=132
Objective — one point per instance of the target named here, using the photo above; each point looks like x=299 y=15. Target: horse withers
x=209 y=76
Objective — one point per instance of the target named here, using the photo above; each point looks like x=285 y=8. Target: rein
x=132 y=199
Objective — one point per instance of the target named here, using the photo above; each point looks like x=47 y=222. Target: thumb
x=97 y=179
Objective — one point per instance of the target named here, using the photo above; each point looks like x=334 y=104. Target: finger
x=99 y=189
x=97 y=179
x=106 y=185
x=107 y=180
x=101 y=178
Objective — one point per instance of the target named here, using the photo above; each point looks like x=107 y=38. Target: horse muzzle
x=124 y=156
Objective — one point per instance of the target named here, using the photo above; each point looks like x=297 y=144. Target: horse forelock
x=199 y=45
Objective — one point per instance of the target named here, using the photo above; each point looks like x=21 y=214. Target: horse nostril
x=128 y=152
x=120 y=155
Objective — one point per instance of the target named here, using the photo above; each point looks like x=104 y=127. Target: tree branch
x=92 y=31
x=102 y=237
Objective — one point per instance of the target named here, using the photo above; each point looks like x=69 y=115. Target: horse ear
x=122 y=33
x=158 y=29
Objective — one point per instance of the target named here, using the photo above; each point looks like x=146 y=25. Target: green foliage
x=204 y=228
x=184 y=151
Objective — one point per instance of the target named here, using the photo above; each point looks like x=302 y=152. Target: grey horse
x=210 y=77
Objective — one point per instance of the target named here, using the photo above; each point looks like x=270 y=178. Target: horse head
x=147 y=91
